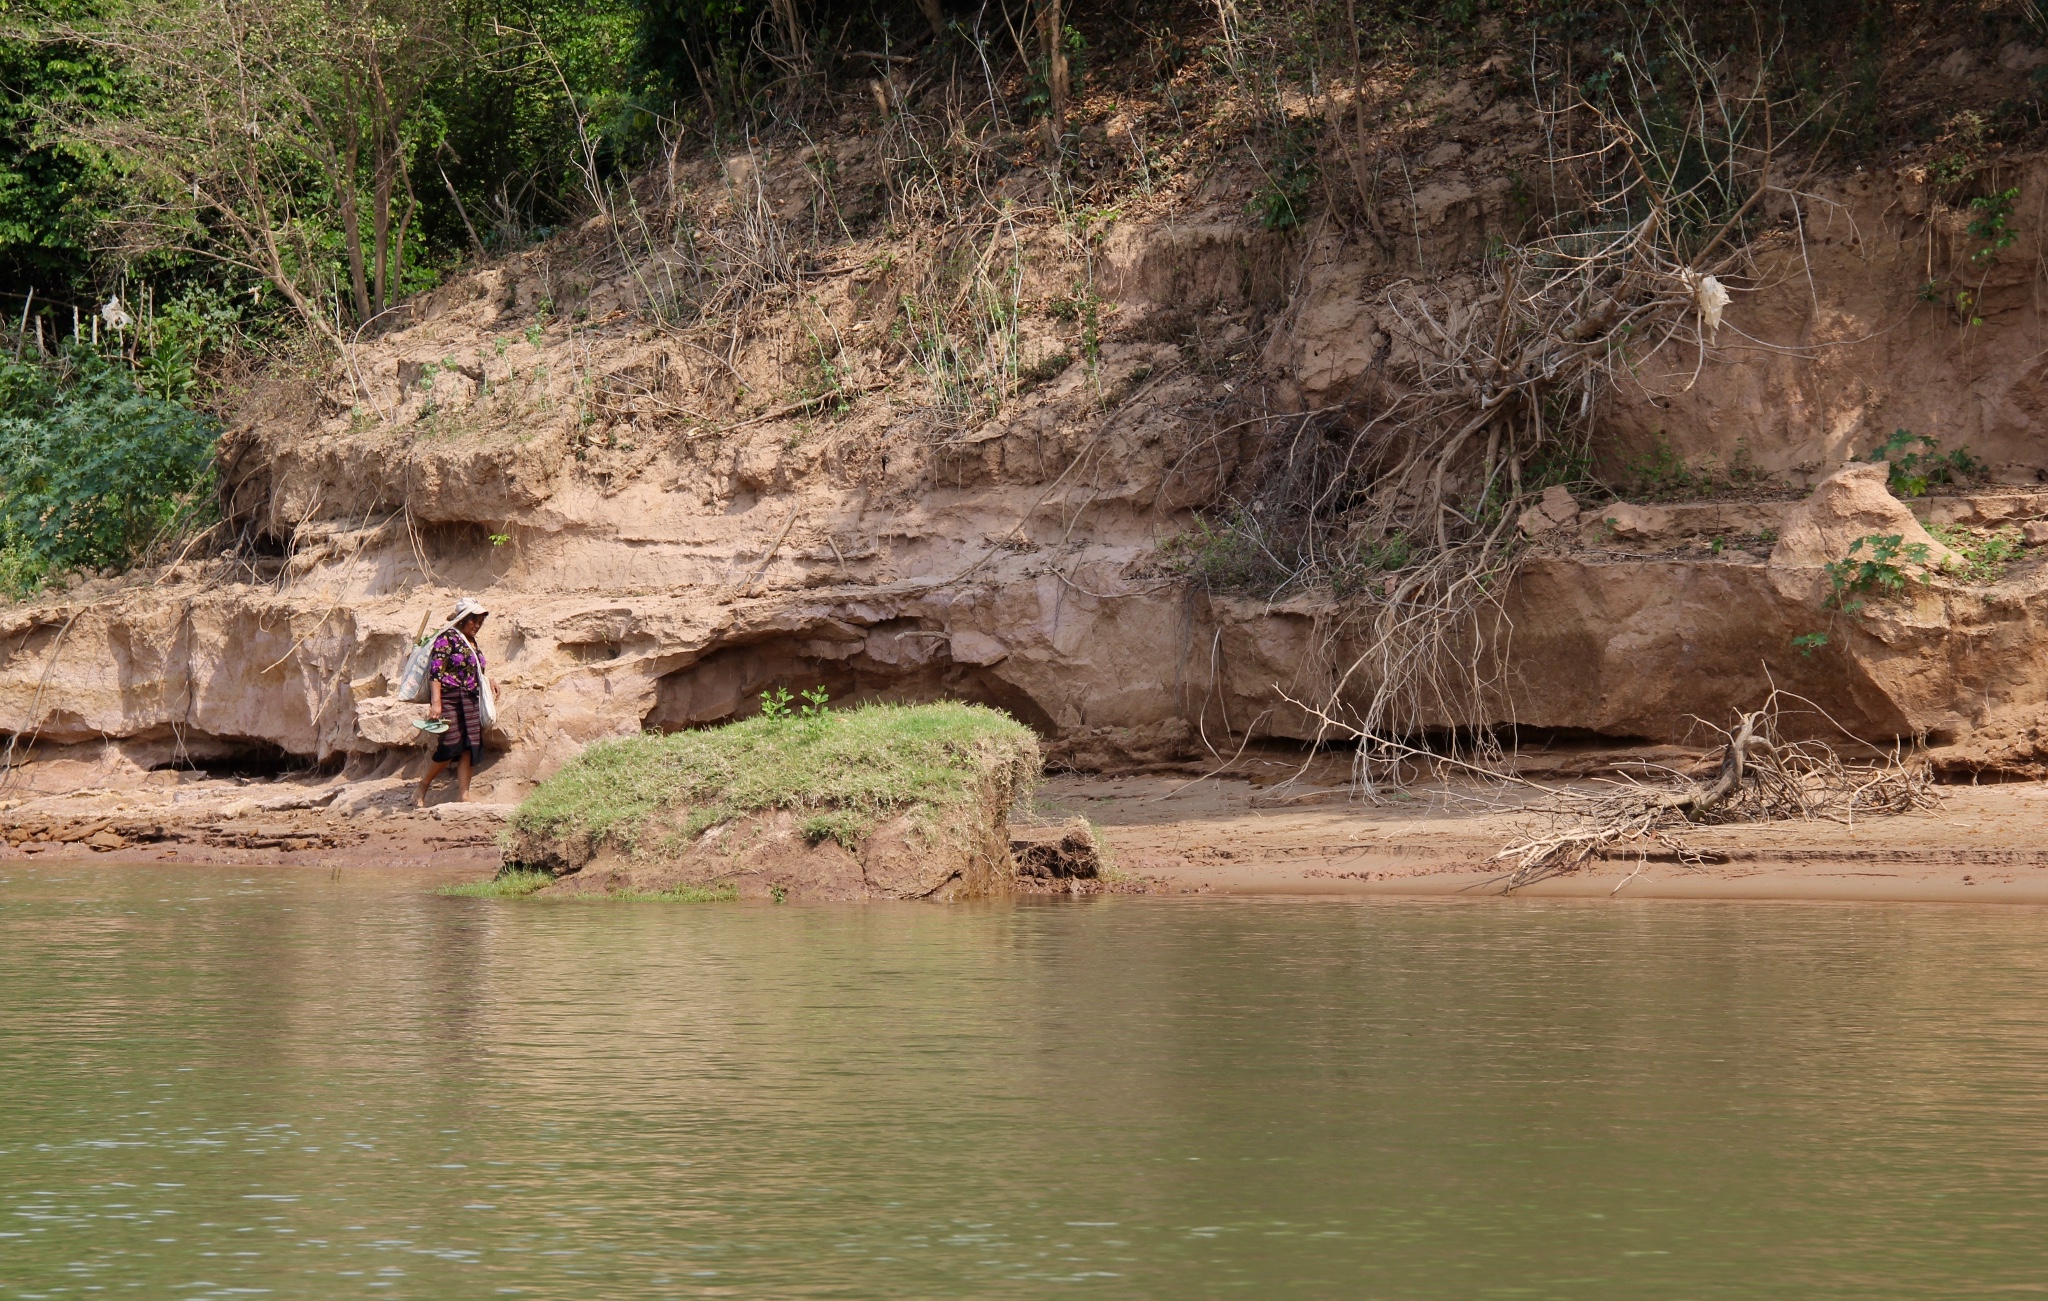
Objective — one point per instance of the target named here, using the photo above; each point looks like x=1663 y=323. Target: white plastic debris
x=1709 y=297
x=115 y=315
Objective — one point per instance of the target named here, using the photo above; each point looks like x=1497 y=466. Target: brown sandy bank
x=1233 y=836
x=1241 y=834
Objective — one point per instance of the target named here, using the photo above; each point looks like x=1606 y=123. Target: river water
x=226 y=1082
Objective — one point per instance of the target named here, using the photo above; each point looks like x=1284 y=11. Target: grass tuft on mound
x=839 y=771
x=506 y=885
x=518 y=883
x=679 y=894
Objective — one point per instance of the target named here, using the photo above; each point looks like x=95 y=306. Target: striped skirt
x=465 y=726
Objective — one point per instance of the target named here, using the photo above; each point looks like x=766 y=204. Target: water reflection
x=324 y=1088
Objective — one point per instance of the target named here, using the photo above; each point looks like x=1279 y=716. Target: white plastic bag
x=1709 y=298
x=412 y=675
x=413 y=687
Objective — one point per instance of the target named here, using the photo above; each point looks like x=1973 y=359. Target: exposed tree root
x=1495 y=387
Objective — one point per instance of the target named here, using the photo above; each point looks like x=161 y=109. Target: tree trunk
x=1052 y=35
x=380 y=224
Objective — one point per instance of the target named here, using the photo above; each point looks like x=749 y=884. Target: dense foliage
x=93 y=467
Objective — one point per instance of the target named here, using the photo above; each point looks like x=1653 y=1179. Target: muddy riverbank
x=1268 y=827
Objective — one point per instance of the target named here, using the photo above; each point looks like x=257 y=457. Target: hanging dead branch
x=1760 y=778
x=1496 y=385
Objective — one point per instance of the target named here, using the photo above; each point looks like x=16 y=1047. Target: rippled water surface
x=289 y=1084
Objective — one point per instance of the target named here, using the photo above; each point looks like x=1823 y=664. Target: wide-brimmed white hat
x=466 y=607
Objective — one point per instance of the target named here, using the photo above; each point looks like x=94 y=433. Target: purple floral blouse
x=454 y=664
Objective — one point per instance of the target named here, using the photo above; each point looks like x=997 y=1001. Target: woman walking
x=455 y=667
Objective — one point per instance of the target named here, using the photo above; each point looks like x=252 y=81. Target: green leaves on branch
x=1913 y=473
x=1875 y=565
x=1993 y=224
x=92 y=469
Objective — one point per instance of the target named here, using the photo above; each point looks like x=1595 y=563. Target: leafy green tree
x=53 y=193
x=277 y=136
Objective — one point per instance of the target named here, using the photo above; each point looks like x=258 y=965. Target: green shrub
x=1283 y=201
x=1993 y=224
x=92 y=468
x=1913 y=473
x=1662 y=472
x=1874 y=566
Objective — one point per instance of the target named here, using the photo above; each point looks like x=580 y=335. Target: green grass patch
x=507 y=885
x=518 y=884
x=839 y=771
x=1982 y=556
x=681 y=894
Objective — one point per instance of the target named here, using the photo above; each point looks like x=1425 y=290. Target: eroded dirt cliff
x=680 y=476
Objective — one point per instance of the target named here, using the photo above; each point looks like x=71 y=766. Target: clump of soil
x=883 y=801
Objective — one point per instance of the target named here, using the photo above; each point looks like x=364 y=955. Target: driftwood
x=1761 y=778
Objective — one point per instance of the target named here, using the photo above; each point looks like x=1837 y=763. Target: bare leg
x=419 y=799
x=462 y=778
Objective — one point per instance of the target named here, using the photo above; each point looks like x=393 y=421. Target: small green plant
x=1964 y=135
x=500 y=539
x=1390 y=553
x=1914 y=472
x=1228 y=555
x=1808 y=642
x=1661 y=472
x=534 y=334
x=1966 y=308
x=1282 y=202
x=1876 y=565
x=779 y=893
x=1982 y=558
x=1371 y=560
x=1045 y=369
x=1993 y=225
x=1086 y=308
x=775 y=704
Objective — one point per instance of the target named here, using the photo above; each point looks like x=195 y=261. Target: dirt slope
x=671 y=515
